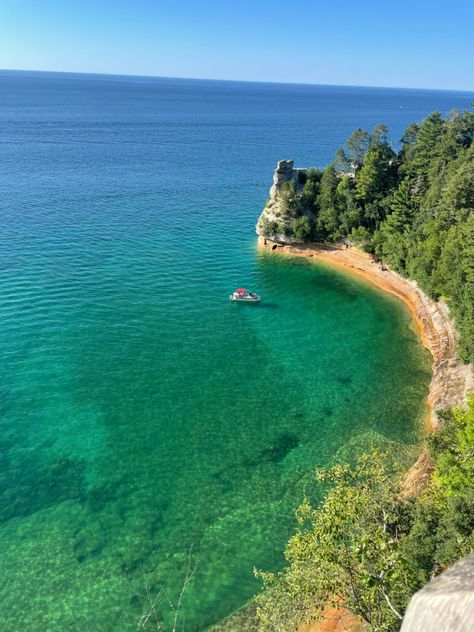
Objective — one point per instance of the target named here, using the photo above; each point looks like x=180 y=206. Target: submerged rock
x=344 y=379
x=279 y=449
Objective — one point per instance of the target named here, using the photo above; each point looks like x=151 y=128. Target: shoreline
x=450 y=384
x=452 y=380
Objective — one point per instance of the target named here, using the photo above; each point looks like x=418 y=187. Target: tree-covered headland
x=412 y=207
x=370 y=545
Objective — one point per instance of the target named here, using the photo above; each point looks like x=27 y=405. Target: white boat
x=244 y=296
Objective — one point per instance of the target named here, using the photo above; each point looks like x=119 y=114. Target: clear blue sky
x=413 y=43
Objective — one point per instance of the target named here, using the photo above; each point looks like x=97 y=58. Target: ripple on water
x=141 y=413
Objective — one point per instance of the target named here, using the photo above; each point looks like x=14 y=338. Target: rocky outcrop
x=284 y=172
x=276 y=220
x=446 y=604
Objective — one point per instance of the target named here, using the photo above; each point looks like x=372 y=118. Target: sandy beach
x=452 y=379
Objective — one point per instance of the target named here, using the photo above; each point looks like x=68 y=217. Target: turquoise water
x=142 y=414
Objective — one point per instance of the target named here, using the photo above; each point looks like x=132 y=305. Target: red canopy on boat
x=241 y=291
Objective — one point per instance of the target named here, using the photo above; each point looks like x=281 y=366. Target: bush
x=302 y=228
x=288 y=198
x=346 y=551
x=362 y=237
x=269 y=228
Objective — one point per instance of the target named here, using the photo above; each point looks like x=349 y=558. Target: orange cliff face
x=335 y=620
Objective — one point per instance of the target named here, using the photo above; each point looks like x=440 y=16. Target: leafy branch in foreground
x=151 y=618
x=368 y=546
x=346 y=551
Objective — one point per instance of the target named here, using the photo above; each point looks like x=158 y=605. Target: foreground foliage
x=413 y=208
x=370 y=547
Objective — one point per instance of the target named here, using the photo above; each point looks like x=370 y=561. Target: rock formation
x=277 y=219
x=446 y=604
x=285 y=172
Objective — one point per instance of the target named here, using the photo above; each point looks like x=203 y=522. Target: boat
x=244 y=296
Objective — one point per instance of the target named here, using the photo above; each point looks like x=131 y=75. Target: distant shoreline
x=451 y=379
x=114 y=75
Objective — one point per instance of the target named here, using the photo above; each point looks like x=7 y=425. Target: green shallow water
x=142 y=413
x=129 y=450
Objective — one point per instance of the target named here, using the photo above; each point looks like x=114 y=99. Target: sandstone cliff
x=284 y=208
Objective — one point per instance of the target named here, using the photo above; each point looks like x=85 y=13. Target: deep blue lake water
x=141 y=414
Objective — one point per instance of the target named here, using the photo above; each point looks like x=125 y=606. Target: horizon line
x=252 y=81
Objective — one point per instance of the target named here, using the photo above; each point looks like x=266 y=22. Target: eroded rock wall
x=274 y=220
